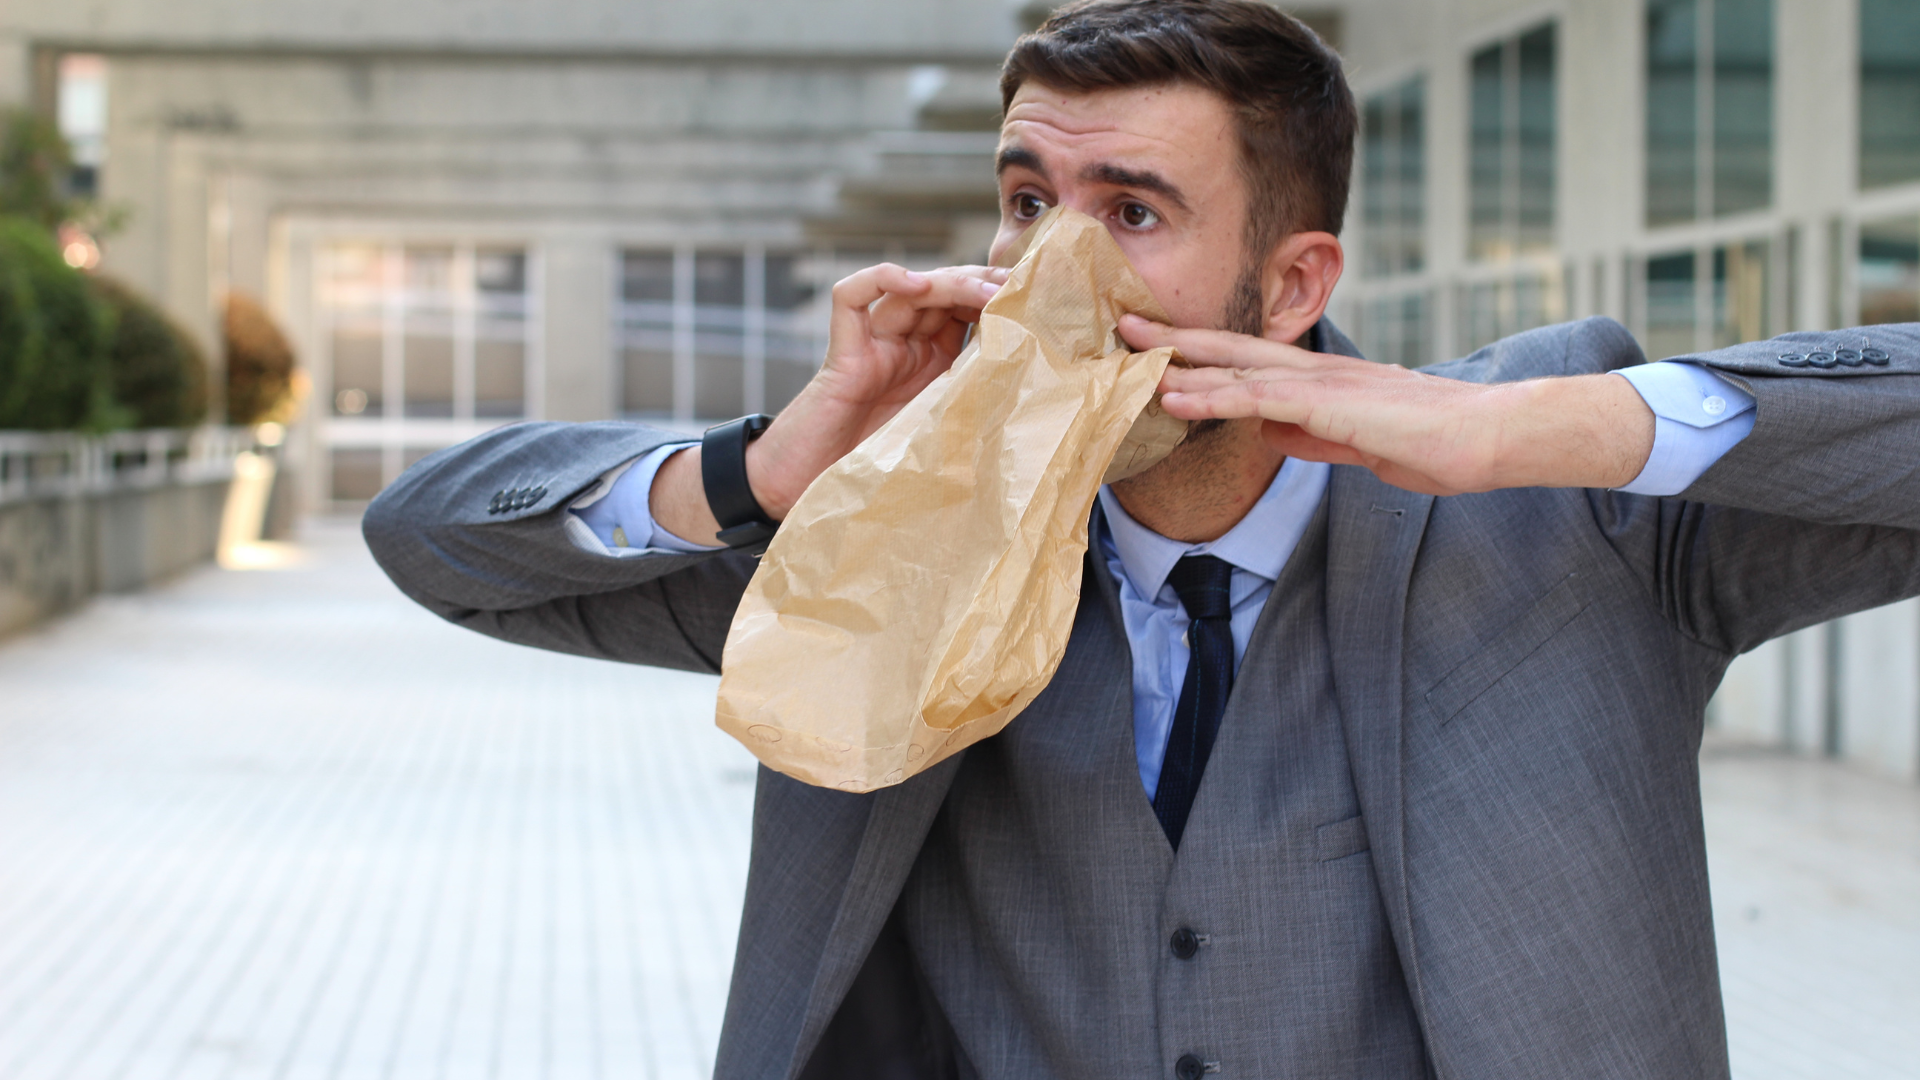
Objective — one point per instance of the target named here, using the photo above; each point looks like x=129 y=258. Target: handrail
x=38 y=465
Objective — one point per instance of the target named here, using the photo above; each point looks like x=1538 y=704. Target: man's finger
x=1213 y=348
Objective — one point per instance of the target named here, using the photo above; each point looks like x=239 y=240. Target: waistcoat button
x=1185 y=943
x=1188 y=1067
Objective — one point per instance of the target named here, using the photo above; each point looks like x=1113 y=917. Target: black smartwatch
x=723 y=472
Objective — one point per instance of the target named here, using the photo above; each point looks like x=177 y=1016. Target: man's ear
x=1297 y=283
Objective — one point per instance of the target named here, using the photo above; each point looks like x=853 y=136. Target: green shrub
x=157 y=374
x=259 y=364
x=53 y=337
x=34 y=163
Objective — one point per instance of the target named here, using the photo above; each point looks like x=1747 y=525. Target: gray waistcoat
x=1042 y=906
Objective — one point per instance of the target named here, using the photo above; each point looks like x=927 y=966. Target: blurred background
x=256 y=259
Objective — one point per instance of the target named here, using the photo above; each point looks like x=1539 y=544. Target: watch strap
x=723 y=473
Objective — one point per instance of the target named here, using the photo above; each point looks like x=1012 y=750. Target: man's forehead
x=1164 y=121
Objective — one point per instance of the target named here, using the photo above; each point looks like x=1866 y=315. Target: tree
x=53 y=337
x=157 y=375
x=259 y=364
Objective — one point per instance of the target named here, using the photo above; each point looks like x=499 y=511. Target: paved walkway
x=281 y=823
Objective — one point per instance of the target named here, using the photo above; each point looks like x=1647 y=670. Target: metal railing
x=37 y=465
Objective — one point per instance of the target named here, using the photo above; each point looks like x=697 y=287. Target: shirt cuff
x=616 y=519
x=1698 y=417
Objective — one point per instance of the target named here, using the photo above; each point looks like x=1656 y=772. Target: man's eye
x=1026 y=207
x=1136 y=216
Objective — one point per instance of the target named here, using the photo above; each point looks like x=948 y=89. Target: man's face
x=1158 y=165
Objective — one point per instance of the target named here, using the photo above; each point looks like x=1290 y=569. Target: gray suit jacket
x=1521 y=675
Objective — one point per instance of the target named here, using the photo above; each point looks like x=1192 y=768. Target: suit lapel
x=1374 y=532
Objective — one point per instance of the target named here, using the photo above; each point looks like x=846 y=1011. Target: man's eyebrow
x=1105 y=172
x=1018 y=157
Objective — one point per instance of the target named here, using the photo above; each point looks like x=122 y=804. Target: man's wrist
x=1579 y=431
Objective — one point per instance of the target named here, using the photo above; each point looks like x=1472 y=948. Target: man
x=1337 y=777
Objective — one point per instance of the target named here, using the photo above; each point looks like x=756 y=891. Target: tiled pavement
x=281 y=823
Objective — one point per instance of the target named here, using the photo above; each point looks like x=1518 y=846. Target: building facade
x=1705 y=171
x=468 y=216
x=589 y=209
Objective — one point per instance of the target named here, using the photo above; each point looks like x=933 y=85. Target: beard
x=1244 y=313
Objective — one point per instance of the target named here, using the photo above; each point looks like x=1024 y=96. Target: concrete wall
x=56 y=551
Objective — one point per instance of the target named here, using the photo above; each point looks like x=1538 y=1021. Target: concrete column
x=16 y=71
x=1751 y=702
x=1880 y=690
x=1805 y=689
x=577 y=289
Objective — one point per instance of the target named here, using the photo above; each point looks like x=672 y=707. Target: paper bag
x=920 y=593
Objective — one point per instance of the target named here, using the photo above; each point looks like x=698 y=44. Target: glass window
x=1672 y=110
x=1670 y=306
x=1490 y=310
x=353 y=295
x=743 y=324
x=431 y=332
x=1395 y=329
x=1736 y=306
x=1709 y=122
x=793 y=350
x=719 y=335
x=356 y=473
x=1889 y=92
x=427 y=344
x=1742 y=105
x=646 y=333
x=1512 y=147
x=1742 y=308
x=500 y=334
x=82 y=106
x=1889 y=270
x=1393 y=180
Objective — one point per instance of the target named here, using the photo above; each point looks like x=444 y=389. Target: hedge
x=54 y=333
x=79 y=352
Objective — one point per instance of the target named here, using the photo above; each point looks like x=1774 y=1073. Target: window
x=1889 y=270
x=712 y=334
x=1889 y=92
x=1394 y=320
x=83 y=118
x=1501 y=307
x=1394 y=329
x=1394 y=180
x=1682 y=313
x=1709 y=108
x=1512 y=150
x=418 y=334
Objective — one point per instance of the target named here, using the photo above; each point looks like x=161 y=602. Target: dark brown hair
x=1292 y=109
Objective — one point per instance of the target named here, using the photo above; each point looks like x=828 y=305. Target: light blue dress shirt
x=1698 y=417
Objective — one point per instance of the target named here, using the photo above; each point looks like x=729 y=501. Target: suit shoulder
x=1587 y=347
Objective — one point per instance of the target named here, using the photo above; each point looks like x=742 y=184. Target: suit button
x=1792 y=360
x=1185 y=943
x=1847 y=358
x=1875 y=357
x=1188 y=1067
x=1821 y=359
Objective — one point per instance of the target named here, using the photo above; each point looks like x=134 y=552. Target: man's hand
x=892 y=332
x=1418 y=432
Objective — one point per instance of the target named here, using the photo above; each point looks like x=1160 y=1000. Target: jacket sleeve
x=1814 y=515
x=476 y=534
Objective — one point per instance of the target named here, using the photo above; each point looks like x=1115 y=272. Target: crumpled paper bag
x=920 y=593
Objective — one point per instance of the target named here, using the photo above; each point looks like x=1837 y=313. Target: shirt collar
x=1260 y=544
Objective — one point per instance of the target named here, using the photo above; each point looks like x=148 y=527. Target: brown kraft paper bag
x=920 y=593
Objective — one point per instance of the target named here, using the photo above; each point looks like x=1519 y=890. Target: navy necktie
x=1204 y=585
